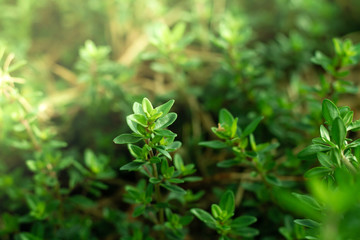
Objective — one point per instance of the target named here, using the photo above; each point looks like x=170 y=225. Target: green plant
x=88 y=61
x=345 y=55
x=53 y=209
x=333 y=202
x=154 y=160
x=221 y=219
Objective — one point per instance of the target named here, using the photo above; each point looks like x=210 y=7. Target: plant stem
x=158 y=194
x=31 y=134
x=348 y=164
x=157 y=186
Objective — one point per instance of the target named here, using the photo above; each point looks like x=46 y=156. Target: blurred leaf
x=127 y=138
x=31 y=164
x=324 y=160
x=216 y=211
x=204 y=216
x=173 y=188
x=329 y=111
x=132 y=166
x=307 y=223
x=225 y=117
x=338 y=131
x=252 y=126
x=242 y=221
x=354 y=126
x=311 y=150
x=246 y=232
x=273 y=180
x=214 y=144
x=317 y=172
x=308 y=200
x=139 y=210
x=227 y=202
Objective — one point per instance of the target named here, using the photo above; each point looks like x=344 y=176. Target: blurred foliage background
x=88 y=60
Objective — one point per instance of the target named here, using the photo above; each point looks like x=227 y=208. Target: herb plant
x=240 y=155
x=154 y=160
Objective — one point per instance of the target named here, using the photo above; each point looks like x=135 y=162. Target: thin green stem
x=158 y=196
x=348 y=164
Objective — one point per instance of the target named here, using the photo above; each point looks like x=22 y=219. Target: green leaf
x=348 y=118
x=165 y=121
x=317 y=172
x=149 y=192
x=214 y=144
x=31 y=164
x=132 y=166
x=354 y=126
x=154 y=180
x=173 y=146
x=273 y=180
x=163 y=152
x=173 y=188
x=227 y=202
x=324 y=133
x=246 y=232
x=165 y=108
x=204 y=216
x=225 y=117
x=338 y=132
x=228 y=163
x=321 y=141
x=216 y=211
x=252 y=142
x=178 y=31
x=243 y=221
x=155 y=159
x=28 y=236
x=307 y=223
x=354 y=144
x=137 y=108
x=132 y=125
x=308 y=200
x=16 y=66
x=127 y=138
x=165 y=133
x=135 y=151
x=139 y=210
x=312 y=150
x=192 y=179
x=234 y=128
x=139 y=119
x=329 y=111
x=178 y=162
x=169 y=172
x=252 y=126
x=175 y=180
x=147 y=106
x=94 y=163
x=185 y=220
x=322 y=60
x=324 y=159
x=164 y=166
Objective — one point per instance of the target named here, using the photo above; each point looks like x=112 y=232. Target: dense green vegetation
x=193 y=119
